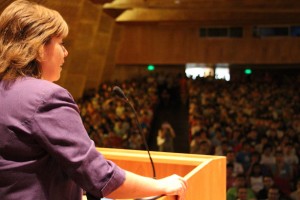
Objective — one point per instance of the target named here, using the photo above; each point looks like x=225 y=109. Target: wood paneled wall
x=125 y=72
x=167 y=44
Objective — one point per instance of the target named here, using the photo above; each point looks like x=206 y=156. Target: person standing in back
x=165 y=137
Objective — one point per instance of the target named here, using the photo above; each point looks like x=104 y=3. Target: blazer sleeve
x=58 y=127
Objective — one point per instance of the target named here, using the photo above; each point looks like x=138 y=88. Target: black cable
x=118 y=91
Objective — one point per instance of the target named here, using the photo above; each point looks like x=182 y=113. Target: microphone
x=119 y=92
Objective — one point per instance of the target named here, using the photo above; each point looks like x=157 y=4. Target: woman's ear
x=41 y=53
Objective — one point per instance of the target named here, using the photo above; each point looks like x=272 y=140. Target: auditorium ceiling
x=200 y=12
x=204 y=12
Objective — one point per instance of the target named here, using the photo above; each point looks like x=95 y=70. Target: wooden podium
x=205 y=175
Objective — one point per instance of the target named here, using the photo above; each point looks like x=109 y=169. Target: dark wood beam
x=209 y=17
x=101 y=1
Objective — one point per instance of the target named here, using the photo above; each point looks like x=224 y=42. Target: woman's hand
x=174 y=185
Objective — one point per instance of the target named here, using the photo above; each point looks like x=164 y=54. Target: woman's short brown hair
x=24 y=28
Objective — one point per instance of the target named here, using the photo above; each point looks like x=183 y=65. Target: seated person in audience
x=200 y=144
x=242 y=194
x=237 y=167
x=275 y=194
x=216 y=137
x=282 y=173
x=295 y=195
x=244 y=155
x=268 y=183
x=262 y=142
x=290 y=157
x=222 y=149
x=201 y=148
x=240 y=181
x=229 y=176
x=267 y=157
x=255 y=178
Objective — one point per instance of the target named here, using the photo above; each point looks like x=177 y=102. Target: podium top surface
x=161 y=157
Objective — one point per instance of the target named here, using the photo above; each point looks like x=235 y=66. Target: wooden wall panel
x=105 y=39
x=75 y=84
x=110 y=66
x=125 y=72
x=80 y=51
x=100 y=52
x=177 y=45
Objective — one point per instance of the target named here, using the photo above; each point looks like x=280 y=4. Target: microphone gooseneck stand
x=118 y=91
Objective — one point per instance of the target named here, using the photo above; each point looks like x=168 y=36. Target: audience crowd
x=112 y=123
x=256 y=125
x=254 y=122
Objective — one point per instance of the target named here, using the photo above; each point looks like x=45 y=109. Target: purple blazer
x=45 y=151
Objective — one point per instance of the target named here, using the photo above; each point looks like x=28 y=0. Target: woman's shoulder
x=37 y=88
x=22 y=98
x=36 y=84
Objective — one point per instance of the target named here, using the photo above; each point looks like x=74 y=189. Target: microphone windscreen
x=119 y=92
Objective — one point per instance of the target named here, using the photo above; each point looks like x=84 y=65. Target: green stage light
x=248 y=71
x=150 y=67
